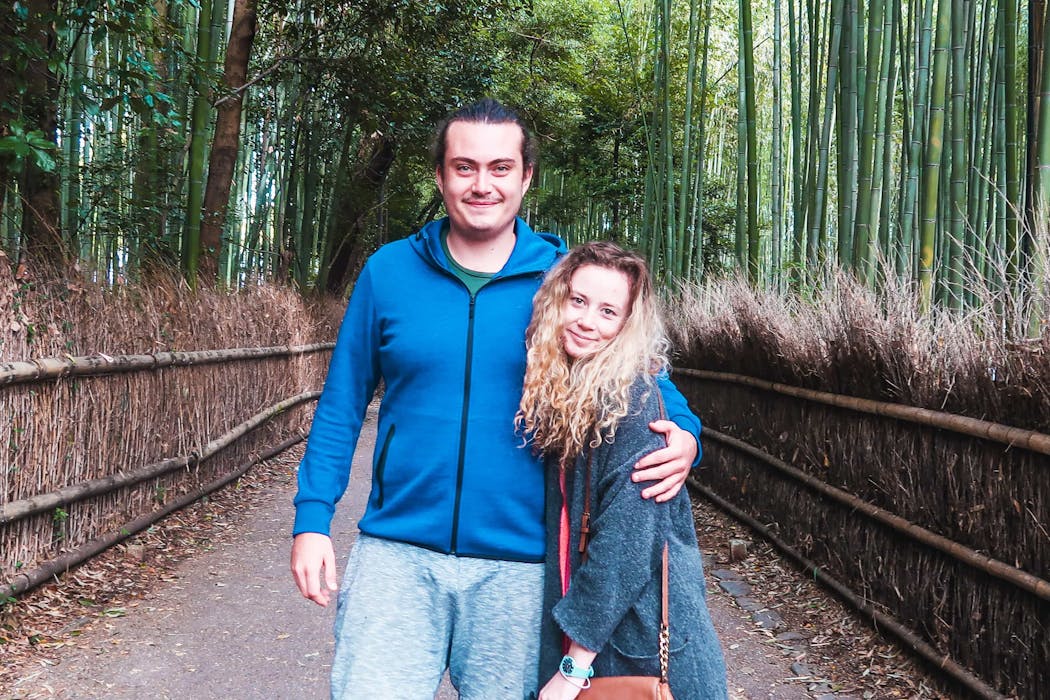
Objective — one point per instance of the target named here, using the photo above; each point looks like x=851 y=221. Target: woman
x=595 y=347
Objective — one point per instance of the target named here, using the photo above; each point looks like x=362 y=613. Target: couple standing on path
x=449 y=572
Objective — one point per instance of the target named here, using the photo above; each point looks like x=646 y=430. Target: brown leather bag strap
x=663 y=586
x=585 y=519
x=665 y=628
x=660 y=402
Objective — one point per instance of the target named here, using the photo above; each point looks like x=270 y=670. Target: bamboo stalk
x=873 y=94
x=989 y=565
x=1008 y=8
x=21 y=372
x=923 y=31
x=964 y=425
x=197 y=152
x=818 y=209
x=16 y=510
x=931 y=194
x=747 y=51
x=776 y=195
x=27 y=580
x=799 y=180
x=881 y=620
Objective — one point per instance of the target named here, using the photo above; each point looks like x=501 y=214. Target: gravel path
x=230 y=624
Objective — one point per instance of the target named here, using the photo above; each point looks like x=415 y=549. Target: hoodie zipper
x=463 y=426
x=464 y=418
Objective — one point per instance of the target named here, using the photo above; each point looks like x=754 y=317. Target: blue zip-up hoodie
x=449 y=472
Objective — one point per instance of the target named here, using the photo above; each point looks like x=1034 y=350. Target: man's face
x=482 y=178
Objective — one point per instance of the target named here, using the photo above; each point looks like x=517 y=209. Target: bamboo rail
x=964 y=425
x=21 y=372
x=17 y=510
x=989 y=565
x=880 y=619
x=25 y=581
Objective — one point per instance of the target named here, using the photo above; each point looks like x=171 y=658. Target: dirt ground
x=202 y=606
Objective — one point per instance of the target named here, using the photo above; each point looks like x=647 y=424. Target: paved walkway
x=232 y=625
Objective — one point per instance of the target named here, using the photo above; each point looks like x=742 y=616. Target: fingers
x=667 y=481
x=656 y=458
x=667 y=427
x=668 y=467
x=312 y=552
x=329 y=571
x=664 y=490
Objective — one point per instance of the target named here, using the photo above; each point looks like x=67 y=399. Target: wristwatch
x=569 y=669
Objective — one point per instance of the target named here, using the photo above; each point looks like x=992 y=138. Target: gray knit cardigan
x=613 y=601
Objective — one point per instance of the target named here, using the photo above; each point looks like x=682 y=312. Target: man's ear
x=439 y=180
x=526 y=179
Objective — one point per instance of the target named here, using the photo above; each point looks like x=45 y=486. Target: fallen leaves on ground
x=842 y=649
x=38 y=626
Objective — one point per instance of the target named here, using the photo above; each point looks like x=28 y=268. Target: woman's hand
x=560 y=688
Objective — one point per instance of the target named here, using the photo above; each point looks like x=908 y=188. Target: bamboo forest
x=845 y=208
x=286 y=140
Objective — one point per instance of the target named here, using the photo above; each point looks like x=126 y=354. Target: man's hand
x=669 y=466
x=311 y=553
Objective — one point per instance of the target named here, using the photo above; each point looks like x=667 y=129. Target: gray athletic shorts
x=406 y=614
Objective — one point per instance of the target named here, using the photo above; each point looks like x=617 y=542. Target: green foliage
x=21 y=148
x=603 y=84
x=718 y=228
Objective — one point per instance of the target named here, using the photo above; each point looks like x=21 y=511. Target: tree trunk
x=306 y=241
x=7 y=77
x=227 y=140
x=346 y=244
x=41 y=229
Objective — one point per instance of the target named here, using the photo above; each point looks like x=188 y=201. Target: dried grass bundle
x=66 y=431
x=846 y=339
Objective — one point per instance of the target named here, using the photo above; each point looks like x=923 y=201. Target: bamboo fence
x=932 y=520
x=957 y=673
x=97 y=447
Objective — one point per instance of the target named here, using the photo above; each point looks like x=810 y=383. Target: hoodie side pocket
x=377 y=476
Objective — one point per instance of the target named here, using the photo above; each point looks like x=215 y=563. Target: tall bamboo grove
x=912 y=144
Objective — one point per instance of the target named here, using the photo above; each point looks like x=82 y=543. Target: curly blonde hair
x=566 y=404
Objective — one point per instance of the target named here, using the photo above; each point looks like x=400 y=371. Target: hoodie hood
x=533 y=252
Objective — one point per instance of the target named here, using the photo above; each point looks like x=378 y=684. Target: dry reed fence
x=61 y=432
x=970 y=499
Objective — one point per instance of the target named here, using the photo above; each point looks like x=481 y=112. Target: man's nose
x=482 y=184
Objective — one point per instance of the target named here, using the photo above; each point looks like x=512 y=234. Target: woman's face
x=595 y=310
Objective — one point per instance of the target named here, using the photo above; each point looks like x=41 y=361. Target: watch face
x=567 y=666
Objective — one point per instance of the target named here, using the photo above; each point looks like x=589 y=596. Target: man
x=447 y=571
